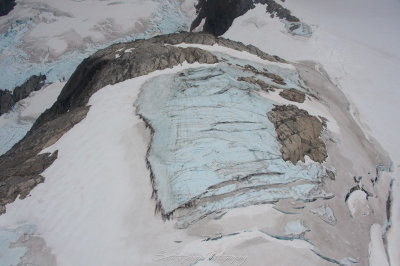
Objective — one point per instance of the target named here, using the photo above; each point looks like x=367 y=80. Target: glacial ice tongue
x=212 y=141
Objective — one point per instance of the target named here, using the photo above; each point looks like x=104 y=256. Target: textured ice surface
x=11 y=255
x=295 y=227
x=17 y=65
x=302 y=29
x=212 y=139
x=325 y=213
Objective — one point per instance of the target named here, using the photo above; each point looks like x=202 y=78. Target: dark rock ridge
x=6 y=6
x=293 y=95
x=21 y=166
x=219 y=14
x=299 y=133
x=34 y=83
x=276 y=9
x=8 y=100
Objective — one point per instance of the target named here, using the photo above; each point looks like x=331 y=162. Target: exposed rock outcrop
x=293 y=95
x=219 y=14
x=299 y=133
x=276 y=9
x=34 y=83
x=6 y=6
x=6 y=101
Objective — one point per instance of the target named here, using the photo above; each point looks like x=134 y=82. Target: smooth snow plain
x=359 y=51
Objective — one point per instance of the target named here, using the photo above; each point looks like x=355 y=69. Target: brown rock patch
x=293 y=95
x=299 y=133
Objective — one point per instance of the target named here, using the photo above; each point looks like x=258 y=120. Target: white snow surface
x=359 y=51
x=358 y=203
x=376 y=248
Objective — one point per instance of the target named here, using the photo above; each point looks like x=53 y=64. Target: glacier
x=213 y=143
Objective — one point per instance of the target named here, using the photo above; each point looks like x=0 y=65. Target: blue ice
x=212 y=137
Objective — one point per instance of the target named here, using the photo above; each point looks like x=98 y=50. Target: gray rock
x=276 y=9
x=299 y=133
x=34 y=83
x=218 y=15
x=6 y=101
